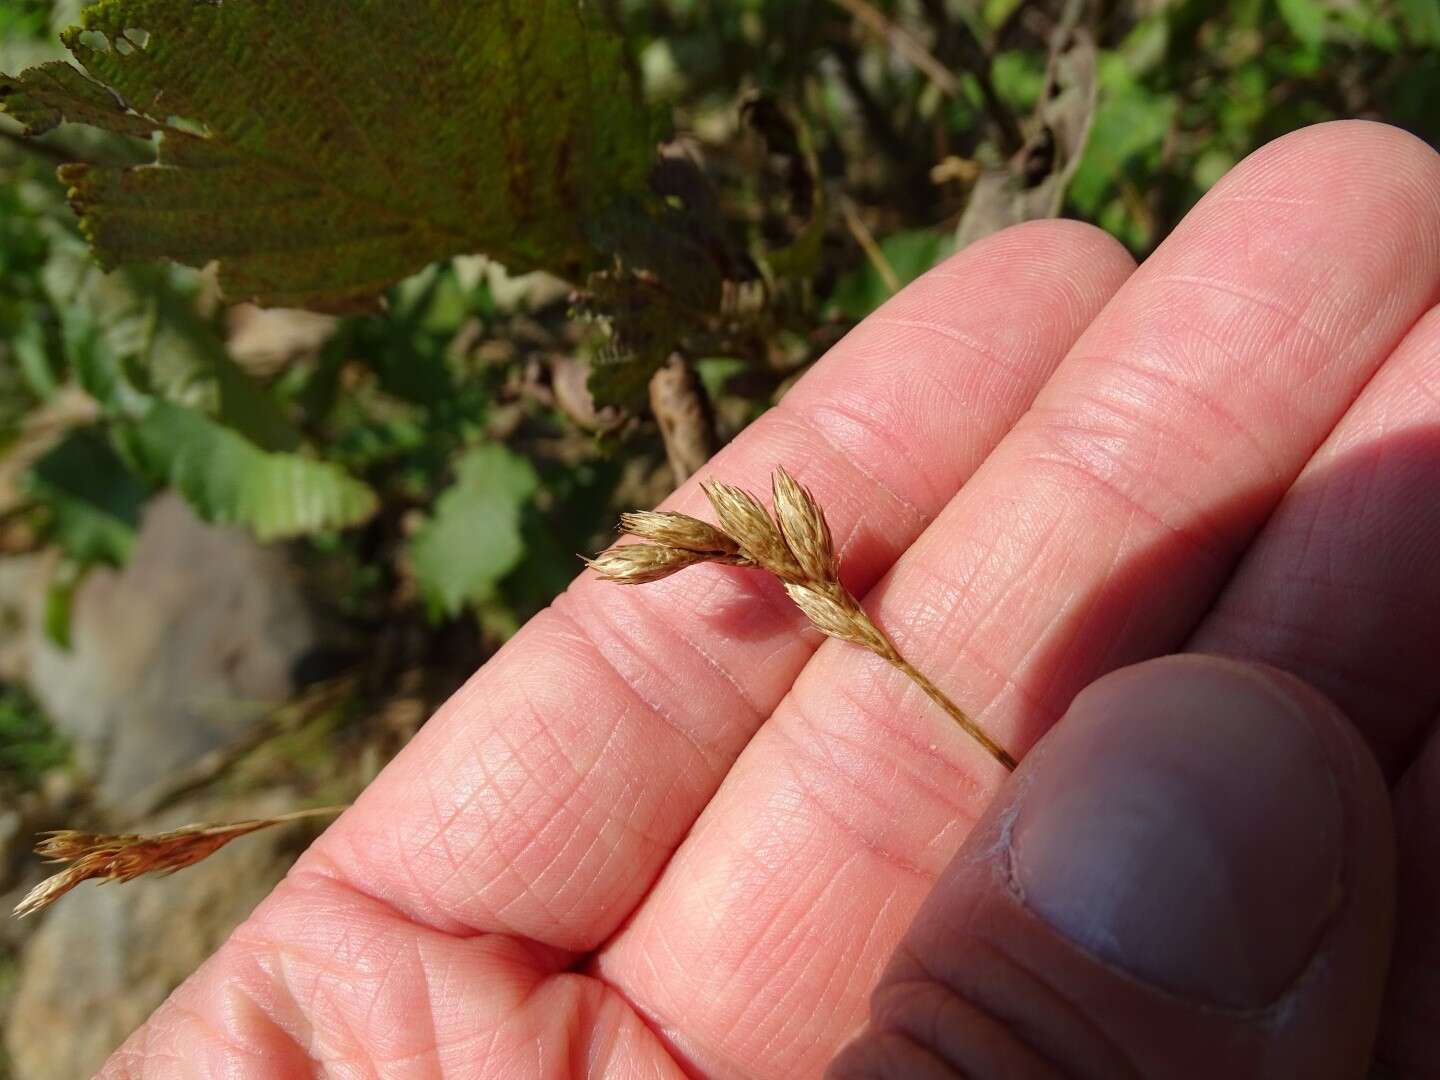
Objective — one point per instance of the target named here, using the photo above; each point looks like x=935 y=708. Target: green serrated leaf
x=96 y=501
x=474 y=538
x=324 y=149
x=231 y=481
x=134 y=335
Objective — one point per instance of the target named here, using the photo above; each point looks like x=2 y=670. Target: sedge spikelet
x=795 y=545
x=124 y=857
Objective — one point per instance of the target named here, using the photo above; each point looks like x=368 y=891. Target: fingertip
x=1189 y=876
x=1358 y=141
x=1373 y=177
x=1076 y=248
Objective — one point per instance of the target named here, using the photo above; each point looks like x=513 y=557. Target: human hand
x=661 y=834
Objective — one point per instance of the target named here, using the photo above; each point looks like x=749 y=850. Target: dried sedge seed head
x=640 y=564
x=123 y=858
x=760 y=540
x=835 y=613
x=806 y=531
x=48 y=891
x=678 y=531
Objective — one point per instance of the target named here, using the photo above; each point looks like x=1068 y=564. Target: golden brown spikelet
x=803 y=524
x=640 y=564
x=124 y=857
x=679 y=531
x=759 y=538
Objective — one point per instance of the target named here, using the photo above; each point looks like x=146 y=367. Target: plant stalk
x=935 y=694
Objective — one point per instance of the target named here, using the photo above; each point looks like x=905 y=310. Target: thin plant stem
x=994 y=749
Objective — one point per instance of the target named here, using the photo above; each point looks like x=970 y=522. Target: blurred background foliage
x=433 y=469
x=438 y=465
x=442 y=462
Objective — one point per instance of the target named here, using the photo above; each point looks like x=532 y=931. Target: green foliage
x=24 y=18
x=474 y=538
x=230 y=480
x=94 y=498
x=29 y=746
x=439 y=459
x=324 y=151
x=1190 y=89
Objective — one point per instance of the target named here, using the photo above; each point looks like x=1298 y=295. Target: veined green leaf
x=135 y=334
x=324 y=149
x=230 y=480
x=474 y=538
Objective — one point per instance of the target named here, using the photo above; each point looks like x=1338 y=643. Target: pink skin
x=661 y=833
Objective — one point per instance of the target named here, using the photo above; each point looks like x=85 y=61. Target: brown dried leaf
x=1033 y=185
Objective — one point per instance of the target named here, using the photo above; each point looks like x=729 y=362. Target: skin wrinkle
x=785 y=947
x=443 y=820
x=315 y=1044
x=791 y=1030
x=1062 y=459
x=311 y=959
x=807 y=785
x=903 y=734
x=661 y=614
x=960 y=629
x=207 y=1025
x=1041 y=699
x=716 y=596
x=980 y=352
x=788 y=946
x=824 y=752
x=609 y=850
x=876 y=431
x=291 y=1042
x=1191 y=395
x=532 y=889
x=702 y=753
x=1017 y=1023
x=454 y=865
x=847 y=458
x=1293 y=319
x=433 y=1042
x=1086 y=423
x=267 y=958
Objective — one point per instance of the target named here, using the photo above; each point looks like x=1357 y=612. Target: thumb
x=1191 y=875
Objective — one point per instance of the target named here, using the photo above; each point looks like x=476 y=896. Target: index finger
x=544 y=798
